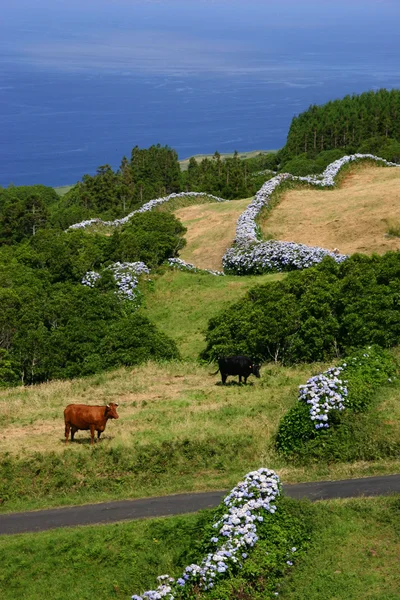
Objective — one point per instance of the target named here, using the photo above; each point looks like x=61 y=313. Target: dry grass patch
x=211 y=230
x=175 y=402
x=355 y=217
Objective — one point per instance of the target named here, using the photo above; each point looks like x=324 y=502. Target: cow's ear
x=115 y=403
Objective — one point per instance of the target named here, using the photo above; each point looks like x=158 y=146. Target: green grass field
x=182 y=303
x=179 y=428
x=63 y=189
x=353 y=554
x=243 y=155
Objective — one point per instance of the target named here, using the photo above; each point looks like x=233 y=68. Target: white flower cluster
x=182 y=265
x=324 y=392
x=236 y=533
x=246 y=229
x=90 y=278
x=125 y=275
x=148 y=206
x=274 y=256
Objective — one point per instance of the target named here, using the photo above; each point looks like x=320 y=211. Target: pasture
x=357 y=216
x=353 y=554
x=179 y=430
x=210 y=231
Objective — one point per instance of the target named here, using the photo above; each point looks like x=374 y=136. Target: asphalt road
x=110 y=512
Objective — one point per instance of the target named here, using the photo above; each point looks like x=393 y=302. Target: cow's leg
x=91 y=435
x=67 y=427
x=223 y=377
x=240 y=379
x=73 y=432
x=245 y=379
x=98 y=434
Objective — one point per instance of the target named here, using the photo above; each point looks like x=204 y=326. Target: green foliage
x=151 y=173
x=228 y=178
x=51 y=326
x=24 y=211
x=350 y=436
x=313 y=315
x=151 y=237
x=347 y=124
x=290 y=527
x=108 y=470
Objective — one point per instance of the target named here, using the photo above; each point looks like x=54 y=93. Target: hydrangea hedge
x=250 y=255
x=325 y=397
x=254 y=530
x=274 y=256
x=125 y=276
x=148 y=206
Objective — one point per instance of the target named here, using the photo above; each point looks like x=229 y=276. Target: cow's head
x=111 y=410
x=256 y=370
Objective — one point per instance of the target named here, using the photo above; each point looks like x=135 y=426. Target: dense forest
x=366 y=123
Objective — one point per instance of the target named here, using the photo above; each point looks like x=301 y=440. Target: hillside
x=354 y=217
x=210 y=231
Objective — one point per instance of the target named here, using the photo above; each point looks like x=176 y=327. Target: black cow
x=237 y=365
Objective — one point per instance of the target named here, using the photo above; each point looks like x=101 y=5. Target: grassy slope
x=211 y=229
x=182 y=303
x=353 y=555
x=212 y=434
x=354 y=217
x=63 y=189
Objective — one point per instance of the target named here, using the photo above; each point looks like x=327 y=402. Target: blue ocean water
x=78 y=92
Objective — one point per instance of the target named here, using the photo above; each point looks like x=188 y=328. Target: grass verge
x=353 y=554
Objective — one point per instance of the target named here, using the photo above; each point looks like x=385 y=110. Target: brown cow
x=82 y=416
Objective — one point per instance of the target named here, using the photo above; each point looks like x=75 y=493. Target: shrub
x=318 y=314
x=150 y=237
x=328 y=400
x=254 y=538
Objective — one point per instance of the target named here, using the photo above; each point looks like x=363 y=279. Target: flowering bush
x=349 y=386
x=180 y=264
x=148 y=206
x=236 y=533
x=274 y=256
x=125 y=277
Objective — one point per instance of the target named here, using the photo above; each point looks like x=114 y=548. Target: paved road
x=109 y=512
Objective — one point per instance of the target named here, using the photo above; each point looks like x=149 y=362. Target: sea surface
x=80 y=88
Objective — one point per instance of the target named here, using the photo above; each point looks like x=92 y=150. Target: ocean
x=74 y=98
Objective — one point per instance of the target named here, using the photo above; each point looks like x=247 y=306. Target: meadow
x=357 y=216
x=353 y=554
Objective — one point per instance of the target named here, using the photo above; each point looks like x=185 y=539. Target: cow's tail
x=217 y=371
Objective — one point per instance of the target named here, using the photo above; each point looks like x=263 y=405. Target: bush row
x=326 y=397
x=317 y=314
x=253 y=540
